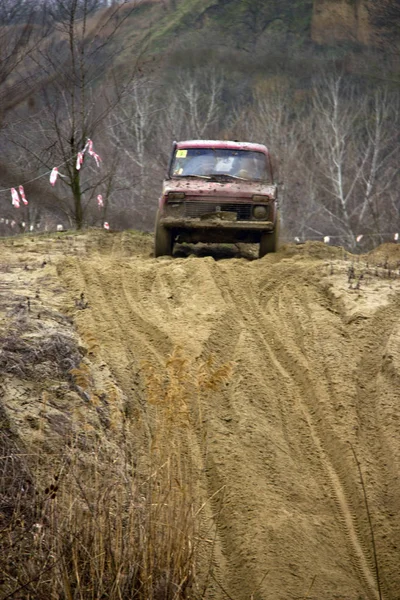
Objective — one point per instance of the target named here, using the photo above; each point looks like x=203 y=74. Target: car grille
x=198 y=208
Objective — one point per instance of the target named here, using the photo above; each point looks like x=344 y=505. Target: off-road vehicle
x=218 y=191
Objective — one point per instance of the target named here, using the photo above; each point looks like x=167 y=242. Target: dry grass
x=29 y=352
x=107 y=523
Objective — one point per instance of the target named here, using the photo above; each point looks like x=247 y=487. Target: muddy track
x=309 y=394
x=315 y=377
x=278 y=439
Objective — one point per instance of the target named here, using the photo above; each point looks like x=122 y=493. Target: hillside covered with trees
x=317 y=82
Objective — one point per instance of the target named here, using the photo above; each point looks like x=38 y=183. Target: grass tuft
x=108 y=522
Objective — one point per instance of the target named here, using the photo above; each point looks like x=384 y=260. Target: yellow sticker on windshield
x=181 y=153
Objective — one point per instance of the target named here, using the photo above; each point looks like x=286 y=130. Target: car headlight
x=175 y=209
x=176 y=196
x=260 y=212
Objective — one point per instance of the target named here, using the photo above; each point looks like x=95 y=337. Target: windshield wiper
x=222 y=175
x=197 y=176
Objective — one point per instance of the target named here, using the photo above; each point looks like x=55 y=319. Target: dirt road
x=313 y=339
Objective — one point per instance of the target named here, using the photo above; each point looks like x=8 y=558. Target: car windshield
x=215 y=162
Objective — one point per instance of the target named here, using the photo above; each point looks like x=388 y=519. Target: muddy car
x=218 y=192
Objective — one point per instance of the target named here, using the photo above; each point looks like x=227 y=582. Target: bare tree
x=133 y=131
x=200 y=95
x=380 y=173
x=80 y=92
x=21 y=34
x=334 y=121
x=354 y=153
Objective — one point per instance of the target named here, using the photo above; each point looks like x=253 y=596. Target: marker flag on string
x=396 y=237
x=22 y=194
x=359 y=238
x=79 y=160
x=53 y=176
x=327 y=239
x=106 y=225
x=100 y=200
x=15 y=198
x=97 y=159
x=93 y=153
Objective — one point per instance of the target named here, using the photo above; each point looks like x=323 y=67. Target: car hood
x=230 y=189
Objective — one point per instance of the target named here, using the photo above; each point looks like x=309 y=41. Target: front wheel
x=163 y=239
x=269 y=240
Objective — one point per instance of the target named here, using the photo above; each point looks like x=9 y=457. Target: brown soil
x=313 y=336
x=341 y=20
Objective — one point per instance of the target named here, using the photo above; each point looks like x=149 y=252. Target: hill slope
x=314 y=368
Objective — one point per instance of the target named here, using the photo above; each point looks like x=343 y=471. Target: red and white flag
x=106 y=225
x=96 y=158
x=100 y=202
x=79 y=160
x=93 y=153
x=53 y=176
x=22 y=194
x=15 y=198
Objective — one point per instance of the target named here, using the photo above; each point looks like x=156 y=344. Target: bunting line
x=89 y=144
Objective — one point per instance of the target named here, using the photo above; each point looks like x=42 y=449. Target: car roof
x=230 y=145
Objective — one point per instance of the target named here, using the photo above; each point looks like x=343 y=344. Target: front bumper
x=214 y=223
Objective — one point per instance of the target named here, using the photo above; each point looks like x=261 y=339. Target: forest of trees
x=329 y=116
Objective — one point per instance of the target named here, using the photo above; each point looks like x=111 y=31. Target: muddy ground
x=298 y=451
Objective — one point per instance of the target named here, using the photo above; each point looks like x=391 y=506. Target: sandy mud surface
x=298 y=451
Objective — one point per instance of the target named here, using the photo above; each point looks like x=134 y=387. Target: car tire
x=269 y=240
x=163 y=239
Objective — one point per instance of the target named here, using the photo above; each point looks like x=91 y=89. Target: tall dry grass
x=106 y=523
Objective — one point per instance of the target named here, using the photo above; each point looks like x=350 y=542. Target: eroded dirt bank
x=312 y=336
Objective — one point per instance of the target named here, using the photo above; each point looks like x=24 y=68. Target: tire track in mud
x=141 y=296
x=367 y=341
x=231 y=297
x=112 y=303
x=269 y=317
x=248 y=305
x=339 y=479
x=112 y=314
x=377 y=385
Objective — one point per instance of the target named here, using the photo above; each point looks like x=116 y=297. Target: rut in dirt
x=277 y=438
